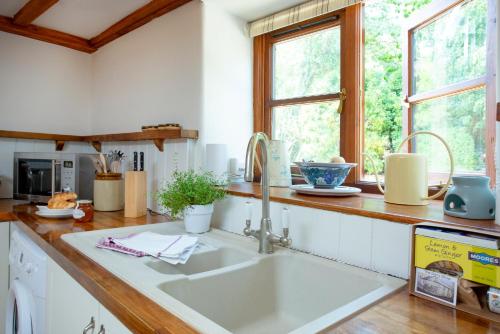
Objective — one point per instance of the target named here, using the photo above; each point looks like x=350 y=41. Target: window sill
x=368 y=205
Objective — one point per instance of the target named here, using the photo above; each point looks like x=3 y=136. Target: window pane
x=460 y=120
x=312 y=131
x=383 y=23
x=452 y=48
x=307 y=65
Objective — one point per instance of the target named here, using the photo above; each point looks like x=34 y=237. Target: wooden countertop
x=137 y=312
x=368 y=205
x=399 y=313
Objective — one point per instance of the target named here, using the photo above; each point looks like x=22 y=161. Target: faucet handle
x=285 y=218
x=285 y=223
x=248 y=221
x=248 y=210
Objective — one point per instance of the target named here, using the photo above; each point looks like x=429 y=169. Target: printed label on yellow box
x=477 y=264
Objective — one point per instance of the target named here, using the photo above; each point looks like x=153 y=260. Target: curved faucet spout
x=256 y=139
x=265 y=235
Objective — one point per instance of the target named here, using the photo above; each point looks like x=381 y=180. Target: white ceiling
x=84 y=18
x=250 y=10
x=88 y=18
x=10 y=7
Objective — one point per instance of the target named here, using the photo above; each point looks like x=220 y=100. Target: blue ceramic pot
x=470 y=197
x=324 y=175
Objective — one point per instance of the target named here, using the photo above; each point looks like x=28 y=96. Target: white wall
x=192 y=66
x=227 y=80
x=44 y=87
x=151 y=75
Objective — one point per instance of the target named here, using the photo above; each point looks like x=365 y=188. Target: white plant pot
x=197 y=218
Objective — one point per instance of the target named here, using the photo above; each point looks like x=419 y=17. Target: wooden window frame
x=352 y=79
x=423 y=18
x=349 y=20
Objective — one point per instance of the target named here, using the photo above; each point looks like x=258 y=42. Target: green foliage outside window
x=450 y=50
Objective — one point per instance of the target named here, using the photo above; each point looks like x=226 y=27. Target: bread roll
x=62 y=201
x=70 y=196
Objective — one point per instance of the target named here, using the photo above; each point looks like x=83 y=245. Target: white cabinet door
x=70 y=306
x=4 y=271
x=111 y=324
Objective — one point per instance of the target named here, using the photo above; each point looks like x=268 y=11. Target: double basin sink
x=227 y=287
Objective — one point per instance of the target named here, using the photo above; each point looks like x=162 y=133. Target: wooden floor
x=403 y=313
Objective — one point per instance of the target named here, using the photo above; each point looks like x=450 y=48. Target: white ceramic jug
x=406 y=175
x=279 y=165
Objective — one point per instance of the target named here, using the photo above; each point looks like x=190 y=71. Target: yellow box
x=478 y=264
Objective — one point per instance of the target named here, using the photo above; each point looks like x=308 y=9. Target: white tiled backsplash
x=177 y=154
x=360 y=241
x=159 y=166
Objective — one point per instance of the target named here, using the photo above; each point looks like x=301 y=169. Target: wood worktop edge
x=136 y=311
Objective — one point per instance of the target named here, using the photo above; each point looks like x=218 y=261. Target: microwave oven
x=39 y=175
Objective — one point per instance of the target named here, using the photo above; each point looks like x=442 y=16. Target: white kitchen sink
x=201 y=262
x=226 y=286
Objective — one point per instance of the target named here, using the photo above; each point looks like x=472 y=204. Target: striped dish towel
x=109 y=243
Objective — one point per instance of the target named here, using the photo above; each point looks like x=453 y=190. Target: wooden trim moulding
x=32 y=10
x=157 y=136
x=449 y=90
x=38 y=135
x=136 y=19
x=21 y=24
x=46 y=35
x=430 y=13
x=144 y=135
x=304 y=100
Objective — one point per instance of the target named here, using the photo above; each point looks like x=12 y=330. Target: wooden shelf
x=157 y=136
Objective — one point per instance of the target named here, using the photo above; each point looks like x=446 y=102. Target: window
x=300 y=87
x=383 y=71
x=446 y=85
x=305 y=91
x=404 y=65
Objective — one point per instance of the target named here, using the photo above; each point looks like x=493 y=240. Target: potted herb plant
x=192 y=194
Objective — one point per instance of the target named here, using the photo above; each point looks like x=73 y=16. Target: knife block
x=135 y=194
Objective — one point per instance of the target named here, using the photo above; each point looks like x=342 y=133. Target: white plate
x=47 y=214
x=337 y=192
x=45 y=209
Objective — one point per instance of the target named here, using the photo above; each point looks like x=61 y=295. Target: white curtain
x=303 y=12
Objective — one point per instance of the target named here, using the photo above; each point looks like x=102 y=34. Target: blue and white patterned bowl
x=325 y=175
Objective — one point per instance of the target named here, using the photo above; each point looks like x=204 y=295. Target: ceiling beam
x=141 y=16
x=32 y=10
x=47 y=35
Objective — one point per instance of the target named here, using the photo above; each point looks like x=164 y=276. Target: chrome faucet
x=265 y=234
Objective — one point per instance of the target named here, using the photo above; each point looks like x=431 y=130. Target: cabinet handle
x=102 y=330
x=90 y=326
